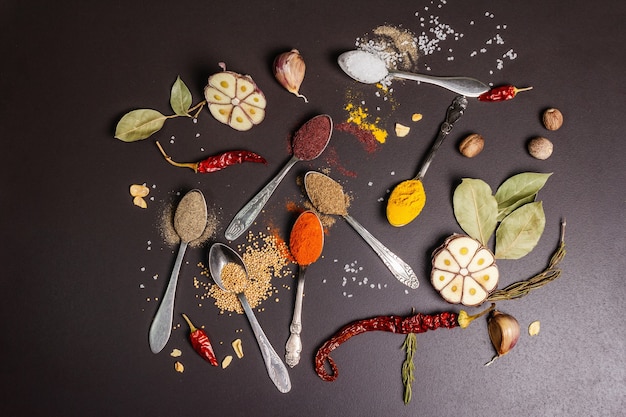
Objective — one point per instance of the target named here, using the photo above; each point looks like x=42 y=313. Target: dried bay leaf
x=180 y=97
x=519 y=232
x=518 y=190
x=139 y=124
x=475 y=209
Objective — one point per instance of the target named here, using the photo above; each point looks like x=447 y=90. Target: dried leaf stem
x=521 y=288
x=408 y=367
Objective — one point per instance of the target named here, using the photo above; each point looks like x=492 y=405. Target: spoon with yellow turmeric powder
x=408 y=198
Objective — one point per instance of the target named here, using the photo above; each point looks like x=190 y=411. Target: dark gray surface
x=75 y=320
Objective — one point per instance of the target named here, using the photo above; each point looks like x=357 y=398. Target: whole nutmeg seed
x=540 y=148
x=552 y=119
x=472 y=145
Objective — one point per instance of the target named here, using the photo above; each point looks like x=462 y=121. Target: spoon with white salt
x=368 y=68
x=190 y=221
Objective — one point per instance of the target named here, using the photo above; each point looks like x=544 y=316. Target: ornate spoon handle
x=244 y=218
x=275 y=367
x=294 y=343
x=400 y=269
x=454 y=113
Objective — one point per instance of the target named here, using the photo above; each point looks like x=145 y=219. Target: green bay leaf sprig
x=513 y=213
x=142 y=123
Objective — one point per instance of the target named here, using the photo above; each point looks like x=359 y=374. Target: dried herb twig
x=408 y=367
x=521 y=288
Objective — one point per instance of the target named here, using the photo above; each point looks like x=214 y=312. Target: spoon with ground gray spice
x=327 y=197
x=190 y=222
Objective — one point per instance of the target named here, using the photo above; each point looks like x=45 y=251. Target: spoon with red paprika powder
x=306 y=242
x=308 y=143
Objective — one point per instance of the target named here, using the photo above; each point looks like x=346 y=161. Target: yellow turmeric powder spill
x=405 y=202
x=359 y=116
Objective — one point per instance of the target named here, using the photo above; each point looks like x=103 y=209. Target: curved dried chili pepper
x=505 y=92
x=200 y=342
x=217 y=162
x=418 y=323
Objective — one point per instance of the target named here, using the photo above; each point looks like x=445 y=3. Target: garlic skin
x=289 y=69
x=504 y=332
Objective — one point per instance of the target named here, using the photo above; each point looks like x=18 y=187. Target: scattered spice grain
x=234 y=277
x=264 y=257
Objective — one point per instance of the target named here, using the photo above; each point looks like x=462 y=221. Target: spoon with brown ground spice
x=328 y=197
x=230 y=274
x=190 y=221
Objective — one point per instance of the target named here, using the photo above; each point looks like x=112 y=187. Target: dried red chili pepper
x=217 y=162
x=418 y=323
x=200 y=342
x=506 y=92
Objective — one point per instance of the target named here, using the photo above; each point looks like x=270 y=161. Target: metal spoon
x=244 y=218
x=189 y=224
x=368 y=68
x=293 y=348
x=400 y=269
x=219 y=256
x=454 y=113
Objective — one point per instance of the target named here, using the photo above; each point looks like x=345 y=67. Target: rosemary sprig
x=522 y=288
x=408 y=367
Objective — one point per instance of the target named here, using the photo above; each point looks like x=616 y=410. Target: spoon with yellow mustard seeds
x=190 y=222
x=229 y=272
x=327 y=197
x=408 y=197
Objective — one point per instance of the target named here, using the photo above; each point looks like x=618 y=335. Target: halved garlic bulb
x=464 y=271
x=235 y=100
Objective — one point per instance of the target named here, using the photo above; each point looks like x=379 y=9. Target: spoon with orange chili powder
x=305 y=243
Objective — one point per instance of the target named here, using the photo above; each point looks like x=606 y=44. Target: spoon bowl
x=368 y=68
x=219 y=256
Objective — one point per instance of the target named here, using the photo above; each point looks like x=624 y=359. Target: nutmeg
x=472 y=145
x=540 y=148
x=552 y=119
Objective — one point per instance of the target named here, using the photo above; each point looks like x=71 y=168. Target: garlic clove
x=453 y=292
x=504 y=332
x=463 y=250
x=442 y=278
x=289 y=70
x=444 y=260
x=473 y=293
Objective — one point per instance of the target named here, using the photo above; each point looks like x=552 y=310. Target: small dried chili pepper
x=506 y=92
x=200 y=342
x=217 y=162
x=418 y=323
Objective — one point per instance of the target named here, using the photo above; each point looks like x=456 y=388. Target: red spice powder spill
x=367 y=139
x=332 y=158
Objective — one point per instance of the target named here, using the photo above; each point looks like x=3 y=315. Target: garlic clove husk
x=289 y=70
x=504 y=332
